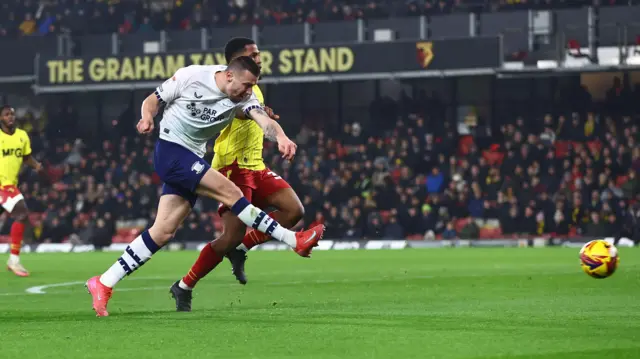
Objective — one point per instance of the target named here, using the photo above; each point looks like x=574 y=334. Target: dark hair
x=5 y=107
x=235 y=46
x=244 y=63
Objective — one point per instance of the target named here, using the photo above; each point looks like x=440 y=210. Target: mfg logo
x=6 y=152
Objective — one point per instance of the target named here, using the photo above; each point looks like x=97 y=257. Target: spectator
x=374 y=229
x=596 y=228
x=529 y=224
x=393 y=230
x=102 y=235
x=560 y=224
x=28 y=25
x=435 y=181
x=449 y=232
x=470 y=230
x=510 y=222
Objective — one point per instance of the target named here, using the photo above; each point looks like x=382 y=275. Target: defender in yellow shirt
x=238 y=155
x=15 y=148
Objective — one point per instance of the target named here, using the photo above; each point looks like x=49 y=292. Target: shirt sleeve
x=26 y=149
x=171 y=89
x=250 y=104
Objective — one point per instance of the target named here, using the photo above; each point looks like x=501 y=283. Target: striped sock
x=135 y=255
x=257 y=219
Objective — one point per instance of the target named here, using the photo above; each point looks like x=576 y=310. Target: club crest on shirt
x=197 y=167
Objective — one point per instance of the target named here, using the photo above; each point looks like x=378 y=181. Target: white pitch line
x=41 y=288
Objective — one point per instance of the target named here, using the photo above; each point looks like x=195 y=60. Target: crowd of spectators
x=564 y=174
x=33 y=17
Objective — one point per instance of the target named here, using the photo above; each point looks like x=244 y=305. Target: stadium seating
x=26 y=18
x=500 y=187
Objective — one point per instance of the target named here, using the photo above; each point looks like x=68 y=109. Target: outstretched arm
x=274 y=132
x=33 y=163
x=150 y=108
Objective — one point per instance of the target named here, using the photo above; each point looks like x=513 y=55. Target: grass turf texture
x=438 y=303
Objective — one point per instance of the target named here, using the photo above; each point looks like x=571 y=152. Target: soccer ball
x=599 y=259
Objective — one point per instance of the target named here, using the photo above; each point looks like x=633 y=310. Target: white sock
x=183 y=285
x=242 y=247
x=137 y=253
x=256 y=218
x=14 y=258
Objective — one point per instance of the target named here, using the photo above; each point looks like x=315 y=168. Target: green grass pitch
x=432 y=303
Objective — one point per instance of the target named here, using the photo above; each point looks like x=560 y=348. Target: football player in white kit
x=200 y=101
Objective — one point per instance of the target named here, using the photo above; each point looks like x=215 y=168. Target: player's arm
x=272 y=131
x=33 y=163
x=164 y=94
x=150 y=107
x=28 y=158
x=272 y=114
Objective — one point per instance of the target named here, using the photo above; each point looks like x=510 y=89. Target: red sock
x=254 y=237
x=205 y=263
x=17 y=231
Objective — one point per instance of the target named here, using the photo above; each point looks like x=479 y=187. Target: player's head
x=242 y=46
x=242 y=74
x=8 y=116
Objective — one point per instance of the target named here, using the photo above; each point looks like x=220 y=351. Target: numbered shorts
x=256 y=186
x=10 y=196
x=179 y=169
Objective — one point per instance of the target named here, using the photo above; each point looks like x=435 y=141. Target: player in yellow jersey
x=238 y=155
x=15 y=148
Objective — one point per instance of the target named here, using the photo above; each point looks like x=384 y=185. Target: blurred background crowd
x=33 y=17
x=569 y=173
x=567 y=169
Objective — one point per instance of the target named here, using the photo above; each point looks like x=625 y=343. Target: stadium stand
x=567 y=169
x=564 y=173
x=26 y=17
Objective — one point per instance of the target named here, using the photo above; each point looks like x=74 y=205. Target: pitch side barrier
x=337 y=245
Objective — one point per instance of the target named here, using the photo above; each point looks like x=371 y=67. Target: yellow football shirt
x=12 y=149
x=241 y=140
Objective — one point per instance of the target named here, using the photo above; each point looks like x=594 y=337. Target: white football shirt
x=196 y=110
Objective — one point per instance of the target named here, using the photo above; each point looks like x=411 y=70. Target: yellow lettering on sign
x=126 y=73
x=209 y=60
x=316 y=60
x=195 y=58
x=267 y=62
x=113 y=66
x=345 y=59
x=310 y=63
x=174 y=63
x=157 y=69
x=65 y=71
x=96 y=70
x=292 y=61
x=285 y=62
x=142 y=65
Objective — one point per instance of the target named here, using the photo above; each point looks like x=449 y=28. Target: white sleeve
x=250 y=104
x=173 y=87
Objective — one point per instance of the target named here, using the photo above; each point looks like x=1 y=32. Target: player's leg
x=210 y=256
x=172 y=210
x=232 y=234
x=273 y=192
x=289 y=212
x=17 y=207
x=217 y=186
